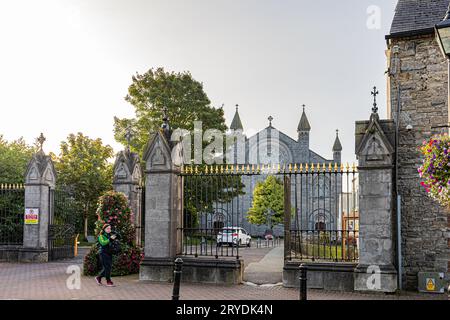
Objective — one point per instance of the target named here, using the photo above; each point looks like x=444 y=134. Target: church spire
x=303 y=125
x=337 y=147
x=236 y=124
x=303 y=130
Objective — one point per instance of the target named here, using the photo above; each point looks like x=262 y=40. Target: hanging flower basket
x=435 y=169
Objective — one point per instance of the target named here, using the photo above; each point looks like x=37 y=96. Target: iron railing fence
x=268 y=243
x=12 y=202
x=213 y=212
x=324 y=225
x=320 y=220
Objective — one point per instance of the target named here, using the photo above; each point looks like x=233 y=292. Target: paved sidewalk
x=269 y=270
x=48 y=281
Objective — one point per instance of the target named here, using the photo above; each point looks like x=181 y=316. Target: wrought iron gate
x=321 y=213
x=61 y=227
x=320 y=210
x=213 y=208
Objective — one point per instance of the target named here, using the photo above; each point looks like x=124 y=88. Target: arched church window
x=320 y=186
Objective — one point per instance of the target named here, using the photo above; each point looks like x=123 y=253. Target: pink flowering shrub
x=113 y=209
x=435 y=170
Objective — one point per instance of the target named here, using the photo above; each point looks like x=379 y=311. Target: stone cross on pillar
x=374 y=93
x=40 y=178
x=163 y=209
x=375 y=153
x=128 y=137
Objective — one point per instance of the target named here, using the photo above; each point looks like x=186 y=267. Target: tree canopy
x=184 y=97
x=14 y=158
x=268 y=203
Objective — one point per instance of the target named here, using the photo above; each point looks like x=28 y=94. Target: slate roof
x=304 y=125
x=236 y=124
x=337 y=144
x=416 y=17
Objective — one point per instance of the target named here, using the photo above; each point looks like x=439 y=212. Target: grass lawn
x=323 y=252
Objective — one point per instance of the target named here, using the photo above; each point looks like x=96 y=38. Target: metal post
x=399 y=241
x=287 y=217
x=303 y=289
x=177 y=279
x=75 y=254
x=448 y=98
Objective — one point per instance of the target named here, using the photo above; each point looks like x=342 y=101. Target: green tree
x=203 y=192
x=268 y=203
x=83 y=167
x=14 y=158
x=184 y=98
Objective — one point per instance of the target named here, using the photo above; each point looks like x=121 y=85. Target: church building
x=312 y=215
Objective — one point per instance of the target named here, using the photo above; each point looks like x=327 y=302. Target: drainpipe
x=395 y=50
x=399 y=197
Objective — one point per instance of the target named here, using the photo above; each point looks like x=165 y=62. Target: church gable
x=157 y=154
x=259 y=147
x=270 y=141
x=374 y=146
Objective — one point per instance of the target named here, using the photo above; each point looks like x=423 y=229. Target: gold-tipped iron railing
x=268 y=169
x=11 y=186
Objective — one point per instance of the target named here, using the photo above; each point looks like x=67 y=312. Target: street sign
x=431 y=282
x=31 y=216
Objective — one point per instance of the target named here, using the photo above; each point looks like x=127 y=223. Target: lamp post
x=443 y=38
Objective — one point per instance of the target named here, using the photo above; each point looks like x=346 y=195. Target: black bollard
x=303 y=290
x=177 y=279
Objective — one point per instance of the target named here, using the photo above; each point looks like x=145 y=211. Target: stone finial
x=40 y=140
x=270 y=118
x=128 y=137
x=165 y=126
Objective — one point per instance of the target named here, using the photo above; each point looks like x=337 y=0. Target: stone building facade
x=417 y=86
x=313 y=210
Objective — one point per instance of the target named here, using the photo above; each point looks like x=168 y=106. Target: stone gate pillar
x=39 y=179
x=163 y=210
x=375 y=153
x=128 y=180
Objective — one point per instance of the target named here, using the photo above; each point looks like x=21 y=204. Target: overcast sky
x=65 y=65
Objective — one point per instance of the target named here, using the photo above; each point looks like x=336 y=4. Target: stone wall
x=421 y=71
